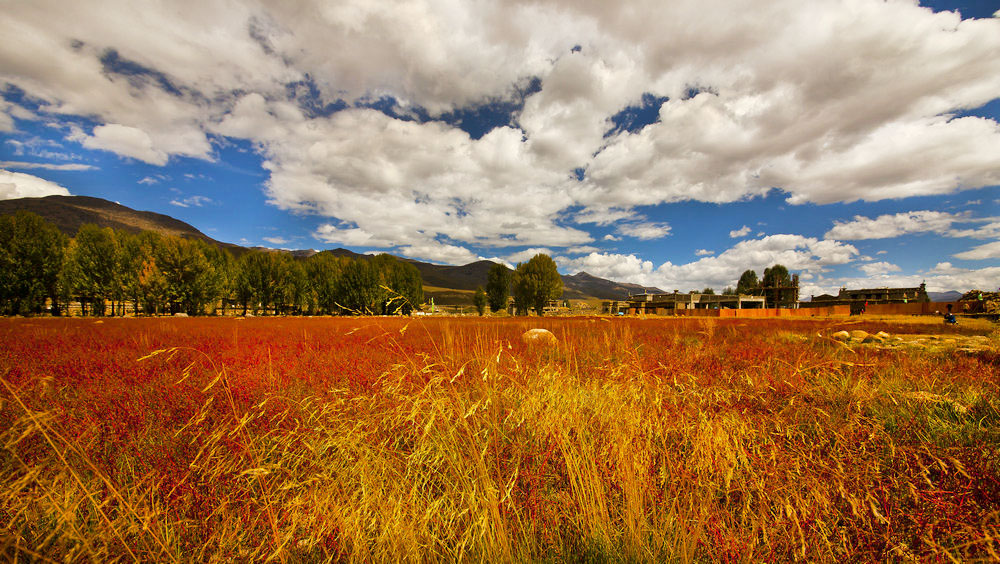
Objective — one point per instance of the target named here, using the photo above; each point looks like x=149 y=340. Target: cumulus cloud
x=893 y=225
x=741 y=232
x=123 y=140
x=827 y=102
x=644 y=230
x=878 y=268
x=987 y=251
x=276 y=240
x=704 y=253
x=527 y=254
x=20 y=185
x=436 y=251
x=796 y=252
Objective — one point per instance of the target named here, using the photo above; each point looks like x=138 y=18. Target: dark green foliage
x=479 y=300
x=535 y=283
x=498 y=283
x=777 y=275
x=90 y=269
x=260 y=281
x=31 y=254
x=163 y=274
x=400 y=283
x=748 y=283
x=324 y=271
x=709 y=291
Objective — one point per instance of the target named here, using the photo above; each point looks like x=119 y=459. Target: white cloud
x=796 y=252
x=988 y=231
x=46 y=166
x=987 y=251
x=527 y=254
x=122 y=140
x=704 y=253
x=354 y=237
x=440 y=252
x=20 y=185
x=149 y=180
x=276 y=240
x=603 y=216
x=644 y=230
x=197 y=201
x=741 y=232
x=946 y=268
x=873 y=269
x=826 y=101
x=610 y=237
x=888 y=226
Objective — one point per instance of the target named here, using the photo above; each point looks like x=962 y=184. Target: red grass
x=783 y=444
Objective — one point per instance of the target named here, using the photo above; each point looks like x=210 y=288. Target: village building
x=666 y=304
x=873 y=296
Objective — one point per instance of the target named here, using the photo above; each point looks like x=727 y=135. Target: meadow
x=448 y=439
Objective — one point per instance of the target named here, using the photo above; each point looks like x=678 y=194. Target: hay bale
x=859 y=335
x=841 y=336
x=542 y=337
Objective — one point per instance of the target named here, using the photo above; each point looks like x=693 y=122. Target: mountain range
x=446 y=284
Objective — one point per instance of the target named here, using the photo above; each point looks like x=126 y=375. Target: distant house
x=871 y=296
x=783 y=295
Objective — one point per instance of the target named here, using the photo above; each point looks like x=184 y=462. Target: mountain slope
x=68 y=213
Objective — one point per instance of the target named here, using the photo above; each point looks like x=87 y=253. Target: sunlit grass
x=444 y=440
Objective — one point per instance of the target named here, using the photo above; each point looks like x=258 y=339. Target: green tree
x=324 y=271
x=150 y=290
x=295 y=290
x=261 y=279
x=776 y=276
x=708 y=291
x=91 y=268
x=31 y=257
x=776 y=284
x=535 y=283
x=192 y=281
x=358 y=289
x=748 y=283
x=498 y=283
x=400 y=287
x=479 y=299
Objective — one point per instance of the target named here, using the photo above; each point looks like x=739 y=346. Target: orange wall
x=769 y=312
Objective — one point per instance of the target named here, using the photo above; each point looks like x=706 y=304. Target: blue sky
x=669 y=144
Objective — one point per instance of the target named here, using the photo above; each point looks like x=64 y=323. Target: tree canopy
x=164 y=274
x=748 y=283
x=31 y=256
x=498 y=282
x=535 y=283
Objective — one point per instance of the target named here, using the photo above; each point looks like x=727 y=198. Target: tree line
x=532 y=284
x=106 y=270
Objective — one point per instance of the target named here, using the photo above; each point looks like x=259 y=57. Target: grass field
x=378 y=439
